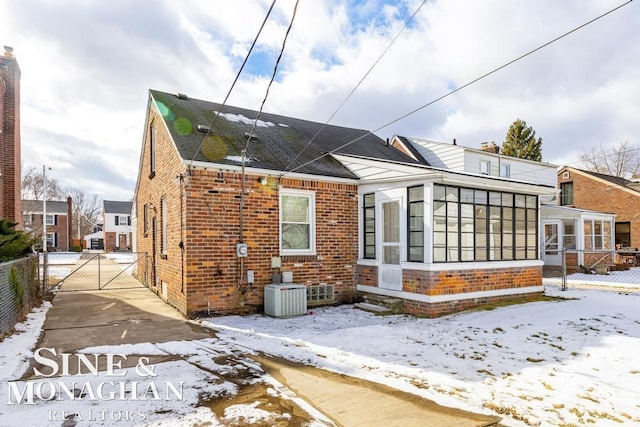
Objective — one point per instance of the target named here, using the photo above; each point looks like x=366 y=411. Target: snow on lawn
x=629 y=279
x=559 y=362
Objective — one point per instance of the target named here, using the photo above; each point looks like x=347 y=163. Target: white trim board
x=449 y=297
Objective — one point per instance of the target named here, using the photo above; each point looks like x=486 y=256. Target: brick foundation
x=438 y=283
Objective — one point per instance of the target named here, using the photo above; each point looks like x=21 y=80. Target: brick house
x=619 y=196
x=10 y=174
x=116 y=217
x=348 y=212
x=59 y=221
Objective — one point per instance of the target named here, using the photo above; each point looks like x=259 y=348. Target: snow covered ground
x=569 y=361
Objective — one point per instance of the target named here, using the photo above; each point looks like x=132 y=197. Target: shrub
x=14 y=243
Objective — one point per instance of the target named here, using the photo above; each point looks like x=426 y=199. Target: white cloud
x=87 y=67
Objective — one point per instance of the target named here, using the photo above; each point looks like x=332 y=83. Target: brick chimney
x=10 y=174
x=490 y=148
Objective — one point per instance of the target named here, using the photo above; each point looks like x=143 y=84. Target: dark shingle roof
x=35 y=206
x=623 y=182
x=279 y=139
x=111 y=206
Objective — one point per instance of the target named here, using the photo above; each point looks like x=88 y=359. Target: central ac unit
x=285 y=300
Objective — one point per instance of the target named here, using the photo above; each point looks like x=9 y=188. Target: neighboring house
x=117 y=234
x=605 y=193
x=58 y=221
x=586 y=236
x=345 y=214
x=10 y=174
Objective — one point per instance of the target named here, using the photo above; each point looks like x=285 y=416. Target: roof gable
x=623 y=183
x=278 y=140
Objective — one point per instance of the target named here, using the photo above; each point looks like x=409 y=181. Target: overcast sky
x=87 y=66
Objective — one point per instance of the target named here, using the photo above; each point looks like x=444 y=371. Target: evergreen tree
x=14 y=243
x=521 y=142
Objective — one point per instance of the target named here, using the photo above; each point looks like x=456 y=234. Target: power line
x=235 y=80
x=495 y=70
x=273 y=76
x=357 y=85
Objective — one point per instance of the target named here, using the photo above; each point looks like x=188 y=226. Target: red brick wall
x=422 y=309
x=210 y=214
x=213 y=231
x=593 y=194
x=435 y=283
x=10 y=180
x=61 y=229
x=151 y=191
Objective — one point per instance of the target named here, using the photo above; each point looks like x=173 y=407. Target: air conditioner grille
x=285 y=300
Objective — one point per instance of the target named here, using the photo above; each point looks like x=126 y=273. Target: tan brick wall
x=210 y=215
x=593 y=194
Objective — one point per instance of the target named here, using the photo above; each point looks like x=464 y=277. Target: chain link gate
x=94 y=271
x=604 y=270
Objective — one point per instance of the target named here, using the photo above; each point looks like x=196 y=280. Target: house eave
x=268 y=172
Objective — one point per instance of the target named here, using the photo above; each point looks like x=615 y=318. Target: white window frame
x=505 y=170
x=485 y=167
x=51 y=240
x=311 y=196
x=125 y=222
x=50 y=219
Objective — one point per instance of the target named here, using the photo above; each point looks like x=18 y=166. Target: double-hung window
x=297 y=222
x=597 y=235
x=50 y=220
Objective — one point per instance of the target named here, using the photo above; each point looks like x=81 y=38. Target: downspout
x=181 y=244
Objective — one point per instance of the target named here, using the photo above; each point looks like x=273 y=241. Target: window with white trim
x=485 y=167
x=122 y=220
x=52 y=240
x=51 y=220
x=505 y=171
x=297 y=222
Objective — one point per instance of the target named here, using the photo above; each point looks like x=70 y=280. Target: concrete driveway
x=79 y=320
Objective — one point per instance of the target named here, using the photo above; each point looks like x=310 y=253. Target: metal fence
x=616 y=271
x=83 y=271
x=19 y=290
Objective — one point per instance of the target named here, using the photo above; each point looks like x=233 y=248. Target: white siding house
x=117 y=225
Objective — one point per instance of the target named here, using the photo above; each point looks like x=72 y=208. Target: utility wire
x=273 y=76
x=226 y=98
x=495 y=70
x=357 y=86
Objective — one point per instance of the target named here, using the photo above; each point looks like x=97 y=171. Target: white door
x=553 y=243
x=390 y=272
